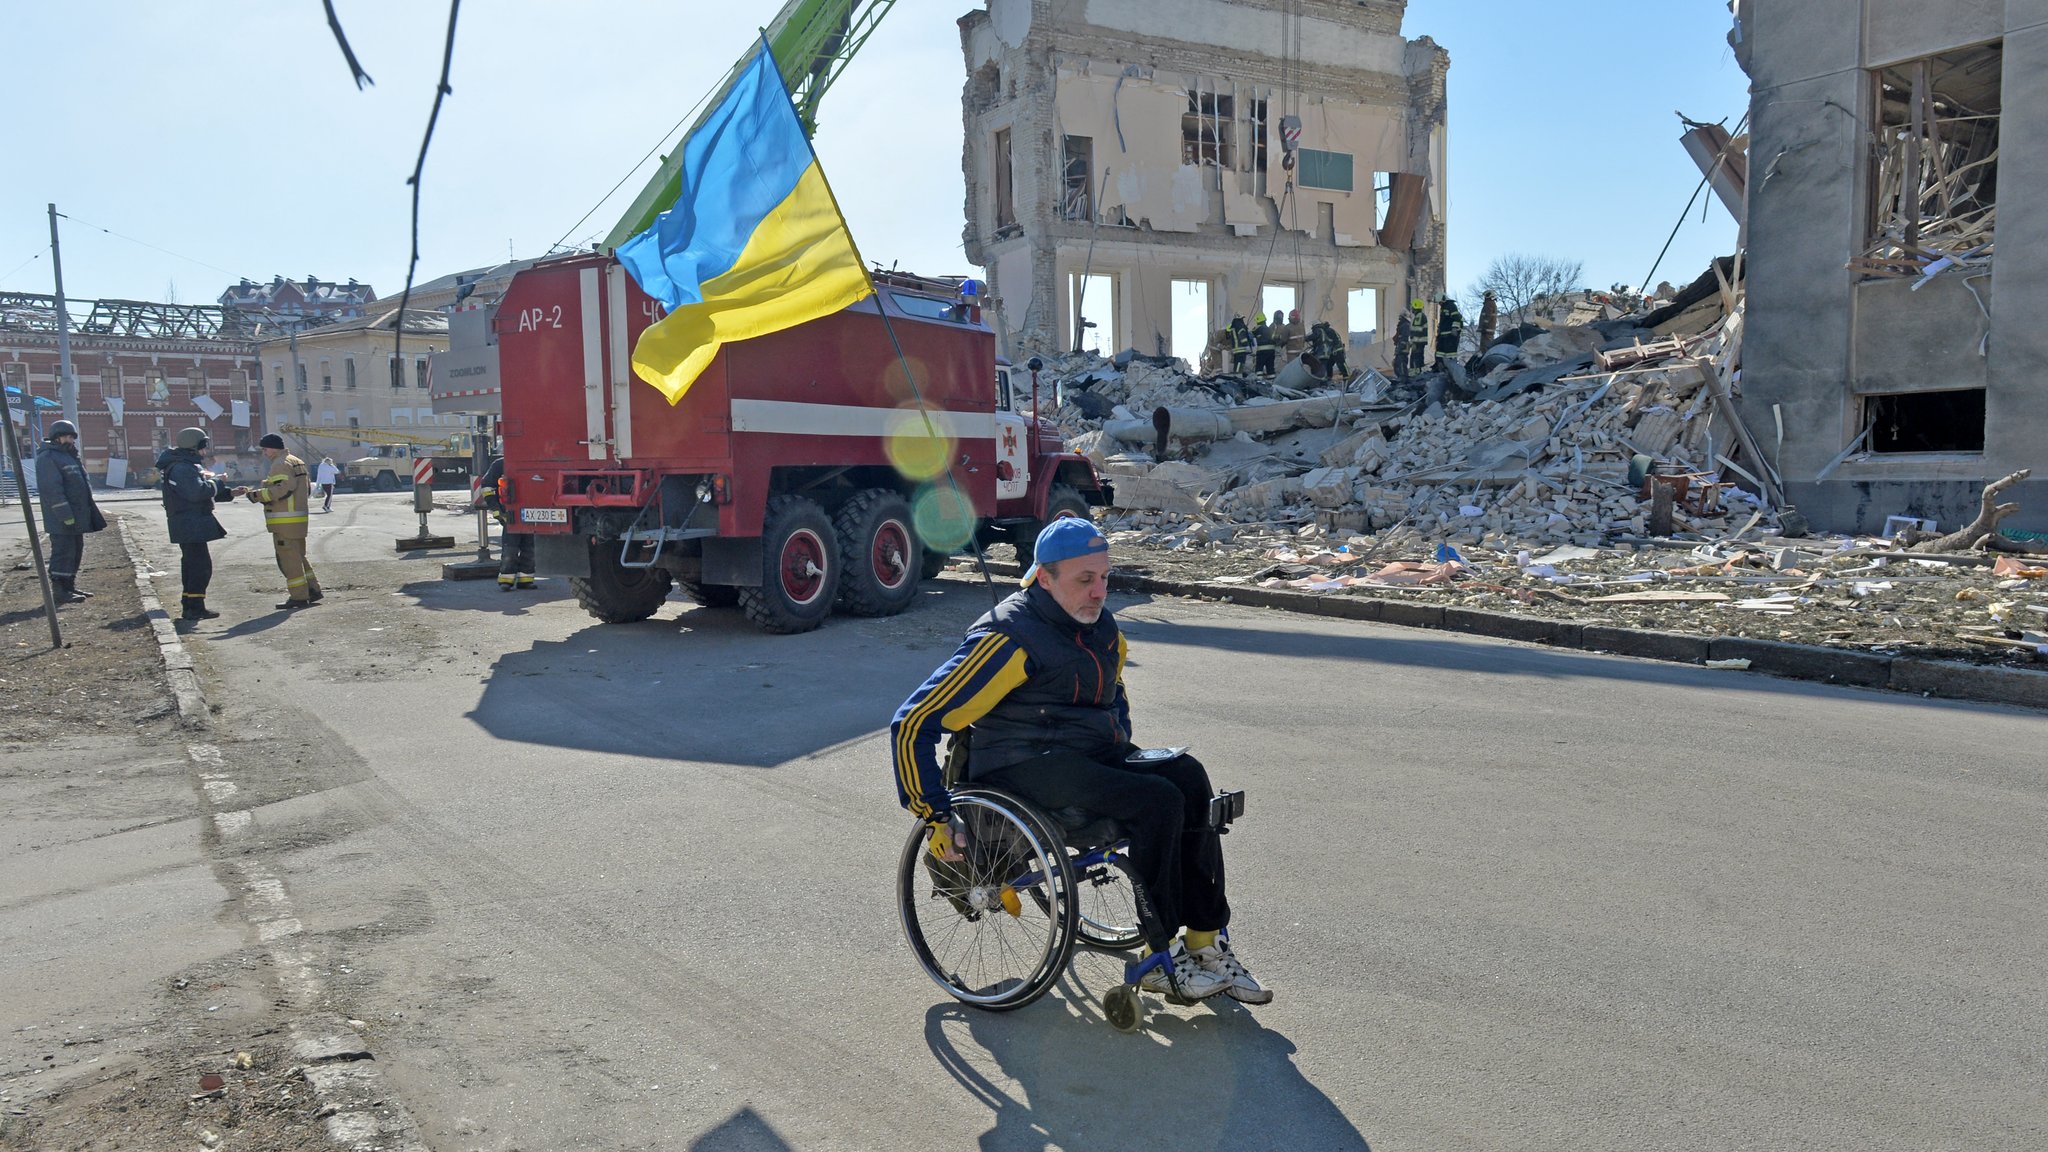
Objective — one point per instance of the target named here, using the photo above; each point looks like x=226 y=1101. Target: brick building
x=144 y=371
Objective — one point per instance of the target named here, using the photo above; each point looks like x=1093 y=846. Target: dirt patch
x=1835 y=593
x=107 y=675
x=213 y=1020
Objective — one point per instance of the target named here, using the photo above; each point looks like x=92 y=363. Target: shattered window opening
x=110 y=380
x=1933 y=161
x=1077 y=198
x=1258 y=132
x=1208 y=129
x=1950 y=421
x=1382 y=198
x=1006 y=206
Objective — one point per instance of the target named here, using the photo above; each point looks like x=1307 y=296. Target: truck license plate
x=544 y=515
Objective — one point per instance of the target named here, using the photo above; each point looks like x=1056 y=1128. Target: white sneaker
x=1219 y=961
x=1181 y=978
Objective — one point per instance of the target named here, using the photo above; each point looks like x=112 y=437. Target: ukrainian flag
x=754 y=243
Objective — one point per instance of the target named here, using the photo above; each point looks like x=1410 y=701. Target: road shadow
x=1371 y=644
x=484 y=595
x=743 y=1131
x=1209 y=1077
x=705 y=684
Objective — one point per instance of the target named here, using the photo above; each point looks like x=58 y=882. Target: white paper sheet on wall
x=240 y=417
x=208 y=405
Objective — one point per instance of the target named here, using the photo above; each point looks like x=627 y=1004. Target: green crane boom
x=813 y=41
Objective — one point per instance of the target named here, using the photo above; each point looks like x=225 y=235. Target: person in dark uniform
x=1403 y=329
x=1329 y=347
x=1262 y=346
x=1040 y=680
x=1240 y=344
x=190 y=492
x=515 y=549
x=1450 y=330
x=68 y=509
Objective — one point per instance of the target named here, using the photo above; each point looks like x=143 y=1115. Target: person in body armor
x=1403 y=329
x=1040 y=680
x=68 y=509
x=1450 y=330
x=190 y=492
x=286 y=495
x=1240 y=344
x=515 y=549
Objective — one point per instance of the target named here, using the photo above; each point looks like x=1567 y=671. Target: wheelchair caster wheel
x=1126 y=1013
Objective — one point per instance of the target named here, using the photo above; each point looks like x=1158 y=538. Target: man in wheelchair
x=1040 y=679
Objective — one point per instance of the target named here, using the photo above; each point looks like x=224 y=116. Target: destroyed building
x=1902 y=360
x=1150 y=166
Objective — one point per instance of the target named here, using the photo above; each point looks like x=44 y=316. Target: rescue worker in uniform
x=1403 y=328
x=1450 y=330
x=515 y=549
x=1240 y=344
x=1328 y=347
x=1262 y=346
x=190 y=492
x=1418 y=335
x=68 y=509
x=1489 y=318
x=1040 y=679
x=1291 y=336
x=286 y=495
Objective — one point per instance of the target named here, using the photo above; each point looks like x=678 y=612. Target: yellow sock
x=1199 y=940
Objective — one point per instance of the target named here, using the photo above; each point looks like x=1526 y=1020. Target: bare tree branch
x=441 y=91
x=356 y=70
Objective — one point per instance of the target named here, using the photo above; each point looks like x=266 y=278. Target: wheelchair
x=997 y=928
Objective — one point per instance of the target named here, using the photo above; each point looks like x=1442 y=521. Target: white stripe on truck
x=792 y=418
x=593 y=367
x=622 y=367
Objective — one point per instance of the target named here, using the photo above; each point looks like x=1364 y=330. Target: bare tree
x=1520 y=281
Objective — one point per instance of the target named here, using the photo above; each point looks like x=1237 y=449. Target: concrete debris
x=1569 y=432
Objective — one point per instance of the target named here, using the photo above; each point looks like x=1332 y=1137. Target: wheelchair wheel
x=970 y=923
x=1105 y=891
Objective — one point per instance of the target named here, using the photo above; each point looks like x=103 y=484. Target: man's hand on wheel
x=948 y=837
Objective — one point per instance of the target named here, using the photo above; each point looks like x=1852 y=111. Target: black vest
x=1069 y=701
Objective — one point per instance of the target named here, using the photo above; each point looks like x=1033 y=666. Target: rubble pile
x=1528 y=442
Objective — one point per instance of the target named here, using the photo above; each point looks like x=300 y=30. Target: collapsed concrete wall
x=1890 y=143
x=1138 y=149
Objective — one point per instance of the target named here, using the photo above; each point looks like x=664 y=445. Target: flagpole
x=882 y=308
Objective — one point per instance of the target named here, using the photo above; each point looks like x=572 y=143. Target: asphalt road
x=632 y=887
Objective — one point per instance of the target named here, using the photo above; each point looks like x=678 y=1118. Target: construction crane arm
x=813 y=41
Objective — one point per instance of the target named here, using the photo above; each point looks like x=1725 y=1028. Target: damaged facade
x=1903 y=359
x=1194 y=155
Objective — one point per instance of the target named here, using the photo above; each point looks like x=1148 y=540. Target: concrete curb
x=179 y=673
x=1991 y=684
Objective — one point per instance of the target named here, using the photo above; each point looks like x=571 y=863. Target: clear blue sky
x=230 y=134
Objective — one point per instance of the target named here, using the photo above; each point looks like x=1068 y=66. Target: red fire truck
x=802 y=471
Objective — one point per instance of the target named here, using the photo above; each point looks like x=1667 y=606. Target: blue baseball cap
x=1064 y=539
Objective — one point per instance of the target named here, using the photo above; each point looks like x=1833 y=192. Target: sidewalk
x=130 y=977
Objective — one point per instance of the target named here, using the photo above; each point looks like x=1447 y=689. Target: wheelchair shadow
x=1204 y=1077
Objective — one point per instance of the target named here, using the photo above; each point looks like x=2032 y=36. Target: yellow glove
x=946 y=840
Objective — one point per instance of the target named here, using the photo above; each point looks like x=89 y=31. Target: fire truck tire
x=883 y=560
x=709 y=595
x=1062 y=500
x=620 y=595
x=799 y=568
x=386 y=482
x=934 y=563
